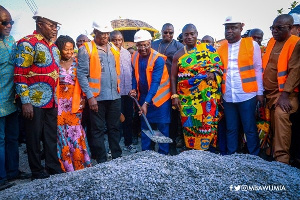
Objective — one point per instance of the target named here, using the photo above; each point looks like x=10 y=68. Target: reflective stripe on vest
x=245 y=64
x=283 y=59
x=94 y=78
x=163 y=92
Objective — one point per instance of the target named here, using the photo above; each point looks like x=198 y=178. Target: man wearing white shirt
x=241 y=86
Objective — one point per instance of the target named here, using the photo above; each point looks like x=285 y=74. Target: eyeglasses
x=52 y=26
x=6 y=23
x=170 y=33
x=279 y=28
x=143 y=46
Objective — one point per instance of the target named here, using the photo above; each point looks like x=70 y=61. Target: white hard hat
x=230 y=20
x=103 y=27
x=296 y=18
x=142 y=35
x=46 y=13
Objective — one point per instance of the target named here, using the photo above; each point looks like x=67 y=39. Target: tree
x=293 y=5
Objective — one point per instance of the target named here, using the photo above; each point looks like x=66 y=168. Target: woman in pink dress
x=72 y=145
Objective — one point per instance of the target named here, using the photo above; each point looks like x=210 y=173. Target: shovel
x=154 y=135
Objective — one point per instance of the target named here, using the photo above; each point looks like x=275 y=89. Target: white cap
x=142 y=35
x=103 y=27
x=46 y=13
x=230 y=20
x=296 y=18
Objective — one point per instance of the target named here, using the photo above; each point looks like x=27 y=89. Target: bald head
x=285 y=18
x=281 y=28
x=190 y=27
x=257 y=35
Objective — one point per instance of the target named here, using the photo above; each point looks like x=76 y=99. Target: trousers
x=108 y=116
x=43 y=127
x=282 y=133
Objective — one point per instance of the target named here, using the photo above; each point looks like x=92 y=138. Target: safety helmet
x=46 y=13
x=142 y=35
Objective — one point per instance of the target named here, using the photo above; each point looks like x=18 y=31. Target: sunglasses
x=6 y=23
x=278 y=28
x=170 y=33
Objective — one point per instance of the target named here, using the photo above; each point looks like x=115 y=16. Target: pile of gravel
x=189 y=175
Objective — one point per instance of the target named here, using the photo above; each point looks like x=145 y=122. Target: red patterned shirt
x=36 y=71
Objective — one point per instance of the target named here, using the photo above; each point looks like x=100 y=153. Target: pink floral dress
x=72 y=145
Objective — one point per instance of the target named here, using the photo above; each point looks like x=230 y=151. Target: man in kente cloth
x=196 y=90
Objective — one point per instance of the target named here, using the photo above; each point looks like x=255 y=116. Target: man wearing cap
x=36 y=77
x=152 y=84
x=281 y=64
x=296 y=25
x=241 y=85
x=98 y=75
x=168 y=47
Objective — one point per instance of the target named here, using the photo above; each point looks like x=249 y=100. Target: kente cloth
x=72 y=147
x=36 y=71
x=199 y=98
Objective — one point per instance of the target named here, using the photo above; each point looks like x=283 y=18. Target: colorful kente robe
x=199 y=98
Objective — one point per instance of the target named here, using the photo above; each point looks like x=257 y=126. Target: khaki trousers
x=282 y=133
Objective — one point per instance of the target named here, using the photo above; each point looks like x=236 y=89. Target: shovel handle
x=144 y=116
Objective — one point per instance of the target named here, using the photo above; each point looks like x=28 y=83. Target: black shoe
x=6 y=185
x=173 y=151
x=135 y=141
x=40 y=175
x=21 y=175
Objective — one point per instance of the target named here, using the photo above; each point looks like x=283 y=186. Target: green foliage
x=293 y=5
x=157 y=35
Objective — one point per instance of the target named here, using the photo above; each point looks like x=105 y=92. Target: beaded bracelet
x=174 y=96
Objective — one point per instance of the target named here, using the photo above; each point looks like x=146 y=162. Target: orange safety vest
x=163 y=92
x=283 y=59
x=95 y=67
x=245 y=64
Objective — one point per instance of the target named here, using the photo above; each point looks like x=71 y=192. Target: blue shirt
x=7 y=89
x=155 y=114
x=167 y=49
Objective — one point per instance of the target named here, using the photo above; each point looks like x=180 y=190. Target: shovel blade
x=157 y=136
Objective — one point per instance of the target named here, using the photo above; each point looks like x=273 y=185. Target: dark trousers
x=108 y=116
x=127 y=110
x=86 y=124
x=174 y=127
x=9 y=146
x=246 y=112
x=43 y=127
x=222 y=136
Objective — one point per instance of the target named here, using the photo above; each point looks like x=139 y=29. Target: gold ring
x=173 y=107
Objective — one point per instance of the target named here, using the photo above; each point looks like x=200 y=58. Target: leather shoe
x=6 y=185
x=21 y=175
x=40 y=175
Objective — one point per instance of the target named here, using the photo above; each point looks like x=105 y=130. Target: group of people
x=69 y=103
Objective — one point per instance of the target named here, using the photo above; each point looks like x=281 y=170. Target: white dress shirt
x=234 y=91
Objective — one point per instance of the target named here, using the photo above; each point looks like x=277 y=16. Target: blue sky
x=77 y=16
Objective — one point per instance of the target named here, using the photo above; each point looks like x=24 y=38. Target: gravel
x=149 y=175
